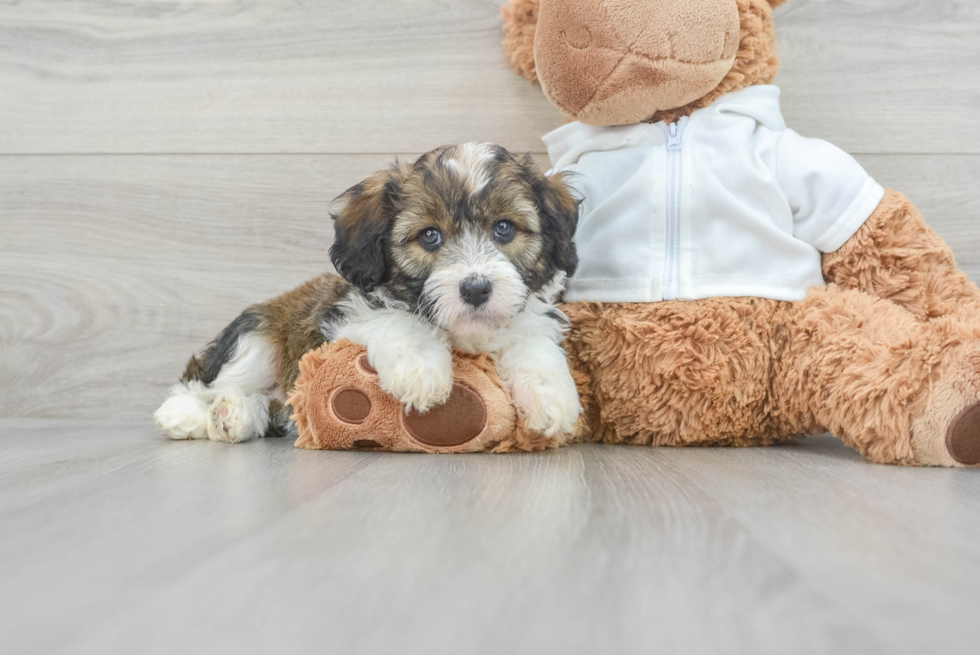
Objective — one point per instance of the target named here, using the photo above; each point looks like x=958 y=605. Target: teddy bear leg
x=897 y=256
x=675 y=373
x=891 y=386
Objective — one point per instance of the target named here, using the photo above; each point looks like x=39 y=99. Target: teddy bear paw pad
x=459 y=420
x=366 y=444
x=365 y=365
x=351 y=405
x=963 y=436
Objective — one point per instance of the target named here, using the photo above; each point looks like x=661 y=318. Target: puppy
x=467 y=248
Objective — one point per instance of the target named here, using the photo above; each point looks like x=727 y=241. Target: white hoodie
x=728 y=202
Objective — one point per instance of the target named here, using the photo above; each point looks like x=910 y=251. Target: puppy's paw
x=235 y=417
x=421 y=378
x=548 y=401
x=183 y=416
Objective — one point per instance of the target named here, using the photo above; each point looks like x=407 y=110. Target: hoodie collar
x=760 y=103
x=567 y=143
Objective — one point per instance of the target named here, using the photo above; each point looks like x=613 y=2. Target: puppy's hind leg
x=235 y=416
x=281 y=423
x=240 y=408
x=225 y=392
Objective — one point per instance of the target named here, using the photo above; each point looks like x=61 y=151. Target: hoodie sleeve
x=830 y=194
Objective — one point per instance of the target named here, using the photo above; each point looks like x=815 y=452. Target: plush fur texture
x=520 y=24
x=750 y=371
x=886 y=356
x=897 y=256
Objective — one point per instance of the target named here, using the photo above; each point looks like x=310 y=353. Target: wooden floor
x=164 y=164
x=116 y=541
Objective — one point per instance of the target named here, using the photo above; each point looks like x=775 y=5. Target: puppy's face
x=461 y=237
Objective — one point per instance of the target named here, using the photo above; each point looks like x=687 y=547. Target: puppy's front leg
x=412 y=357
x=533 y=364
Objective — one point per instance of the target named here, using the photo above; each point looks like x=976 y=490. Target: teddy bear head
x=617 y=62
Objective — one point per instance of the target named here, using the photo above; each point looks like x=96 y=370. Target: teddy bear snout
x=612 y=62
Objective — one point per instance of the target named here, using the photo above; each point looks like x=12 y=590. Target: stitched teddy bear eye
x=504 y=231
x=430 y=238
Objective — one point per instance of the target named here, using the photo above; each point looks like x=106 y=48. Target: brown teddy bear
x=885 y=355
x=739 y=284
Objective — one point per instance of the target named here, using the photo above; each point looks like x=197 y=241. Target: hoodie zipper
x=675 y=181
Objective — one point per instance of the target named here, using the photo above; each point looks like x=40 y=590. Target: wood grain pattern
x=113 y=269
x=140 y=545
x=112 y=266
x=889 y=76
x=379 y=76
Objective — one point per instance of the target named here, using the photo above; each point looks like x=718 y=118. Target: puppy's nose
x=475 y=292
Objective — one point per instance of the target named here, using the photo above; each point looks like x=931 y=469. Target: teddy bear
x=739 y=284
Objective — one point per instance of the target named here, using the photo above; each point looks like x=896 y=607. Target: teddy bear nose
x=475 y=291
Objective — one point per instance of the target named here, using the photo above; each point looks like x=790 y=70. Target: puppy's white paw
x=235 y=417
x=183 y=416
x=420 y=378
x=548 y=401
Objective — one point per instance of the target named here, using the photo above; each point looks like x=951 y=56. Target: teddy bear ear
x=776 y=3
x=520 y=21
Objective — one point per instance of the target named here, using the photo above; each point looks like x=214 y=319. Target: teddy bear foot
x=948 y=433
x=963 y=436
x=339 y=405
x=454 y=423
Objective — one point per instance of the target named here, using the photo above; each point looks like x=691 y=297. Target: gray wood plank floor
x=115 y=541
x=164 y=164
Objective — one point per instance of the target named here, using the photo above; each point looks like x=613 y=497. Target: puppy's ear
x=558 y=210
x=520 y=22
x=362 y=229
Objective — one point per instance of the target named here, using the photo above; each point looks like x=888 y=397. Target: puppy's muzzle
x=475 y=291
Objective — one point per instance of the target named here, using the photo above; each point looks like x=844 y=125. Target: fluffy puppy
x=467 y=248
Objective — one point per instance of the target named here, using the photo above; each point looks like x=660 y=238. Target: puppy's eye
x=430 y=238
x=504 y=231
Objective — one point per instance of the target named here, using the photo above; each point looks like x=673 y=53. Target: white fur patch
x=473 y=256
x=411 y=356
x=184 y=415
x=240 y=393
x=533 y=365
x=471 y=161
x=235 y=417
x=251 y=370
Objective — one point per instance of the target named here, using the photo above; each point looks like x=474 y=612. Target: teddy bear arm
x=895 y=255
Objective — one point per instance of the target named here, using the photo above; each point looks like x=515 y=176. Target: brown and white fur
x=467 y=248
